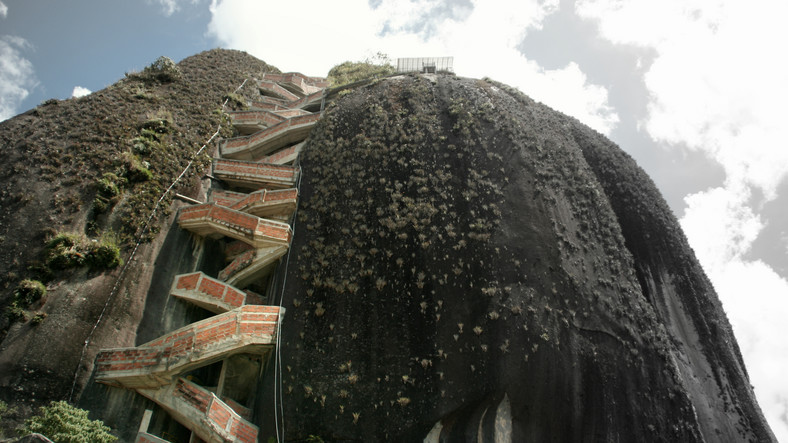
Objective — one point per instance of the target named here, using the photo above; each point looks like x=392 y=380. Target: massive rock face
x=469 y=264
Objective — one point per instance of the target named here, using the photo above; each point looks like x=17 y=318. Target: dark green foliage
x=103 y=255
x=68 y=250
x=142 y=145
x=62 y=252
x=14 y=312
x=38 y=318
x=135 y=170
x=107 y=185
x=63 y=423
x=29 y=292
x=5 y=411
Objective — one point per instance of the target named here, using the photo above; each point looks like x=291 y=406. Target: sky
x=694 y=90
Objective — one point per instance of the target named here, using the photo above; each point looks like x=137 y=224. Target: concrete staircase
x=253 y=147
x=212 y=419
x=254 y=175
x=254 y=216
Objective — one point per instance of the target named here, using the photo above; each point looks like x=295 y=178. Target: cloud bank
x=17 y=76
x=717 y=86
x=481 y=35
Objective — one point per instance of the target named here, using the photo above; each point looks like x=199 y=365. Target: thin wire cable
x=137 y=244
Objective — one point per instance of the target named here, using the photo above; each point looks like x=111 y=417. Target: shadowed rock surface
x=469 y=264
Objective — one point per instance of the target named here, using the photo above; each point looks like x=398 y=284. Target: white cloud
x=80 y=91
x=170 y=7
x=3 y=10
x=717 y=85
x=721 y=229
x=17 y=76
x=482 y=38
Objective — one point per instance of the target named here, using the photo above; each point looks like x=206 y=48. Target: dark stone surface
x=466 y=256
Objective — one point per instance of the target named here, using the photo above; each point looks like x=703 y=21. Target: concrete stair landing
x=268 y=140
x=216 y=221
x=253 y=175
x=248 y=329
x=208 y=293
x=214 y=420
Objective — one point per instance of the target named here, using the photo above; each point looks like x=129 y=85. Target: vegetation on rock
x=29 y=292
x=5 y=411
x=71 y=250
x=63 y=423
x=350 y=72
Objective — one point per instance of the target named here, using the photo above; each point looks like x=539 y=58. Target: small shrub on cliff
x=62 y=251
x=235 y=101
x=136 y=170
x=103 y=254
x=107 y=188
x=107 y=185
x=349 y=72
x=29 y=292
x=163 y=70
x=14 y=312
x=160 y=122
x=69 y=250
x=63 y=423
x=5 y=411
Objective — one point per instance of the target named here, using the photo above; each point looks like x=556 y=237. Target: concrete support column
x=222 y=375
x=145 y=422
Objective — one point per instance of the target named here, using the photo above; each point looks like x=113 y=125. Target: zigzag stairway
x=253 y=215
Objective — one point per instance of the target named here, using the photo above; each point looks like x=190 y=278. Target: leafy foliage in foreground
x=63 y=423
